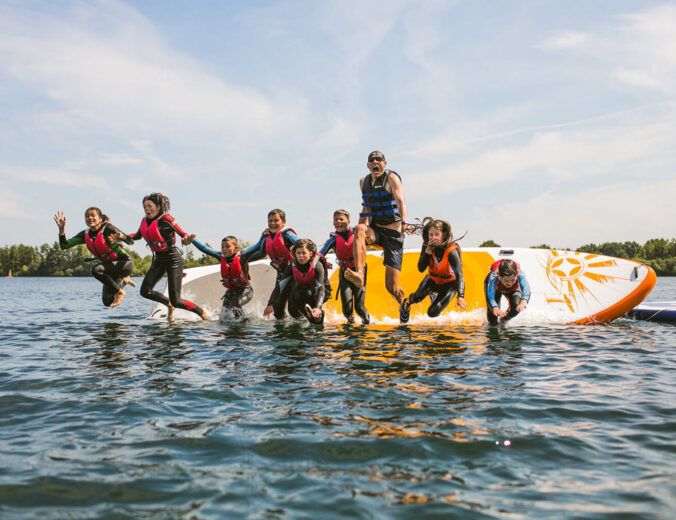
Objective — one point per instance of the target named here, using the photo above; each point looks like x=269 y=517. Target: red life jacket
x=99 y=247
x=232 y=275
x=152 y=234
x=308 y=278
x=344 y=252
x=442 y=272
x=500 y=287
x=276 y=249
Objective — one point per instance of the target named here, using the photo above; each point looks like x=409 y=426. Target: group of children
x=302 y=285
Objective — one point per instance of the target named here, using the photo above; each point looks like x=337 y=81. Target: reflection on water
x=105 y=414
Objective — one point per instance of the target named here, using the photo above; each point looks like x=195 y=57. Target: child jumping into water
x=351 y=296
x=159 y=230
x=102 y=239
x=306 y=281
x=440 y=256
x=234 y=273
x=275 y=242
x=505 y=277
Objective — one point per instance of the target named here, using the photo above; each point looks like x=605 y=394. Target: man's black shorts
x=393 y=246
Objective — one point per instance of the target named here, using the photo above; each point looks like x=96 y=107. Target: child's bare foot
x=355 y=277
x=204 y=315
x=129 y=281
x=119 y=296
x=170 y=312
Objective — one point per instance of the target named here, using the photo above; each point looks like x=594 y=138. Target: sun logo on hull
x=574 y=276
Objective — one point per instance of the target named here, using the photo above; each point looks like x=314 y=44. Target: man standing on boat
x=382 y=222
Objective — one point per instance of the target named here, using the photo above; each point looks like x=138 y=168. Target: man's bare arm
x=364 y=209
x=398 y=193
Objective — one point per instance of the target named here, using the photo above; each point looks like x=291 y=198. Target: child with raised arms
x=234 y=273
x=275 y=242
x=440 y=257
x=352 y=297
x=505 y=278
x=102 y=239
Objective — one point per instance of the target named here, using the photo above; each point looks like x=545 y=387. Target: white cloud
x=567 y=153
x=60 y=177
x=106 y=64
x=121 y=159
x=13 y=205
x=225 y=205
x=640 y=49
x=629 y=211
x=563 y=40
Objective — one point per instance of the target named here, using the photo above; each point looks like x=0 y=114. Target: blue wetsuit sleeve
x=330 y=243
x=211 y=252
x=255 y=251
x=525 y=288
x=490 y=290
x=290 y=236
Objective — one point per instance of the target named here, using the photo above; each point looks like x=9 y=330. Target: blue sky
x=522 y=122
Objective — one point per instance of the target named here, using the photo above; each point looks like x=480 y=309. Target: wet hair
x=230 y=238
x=342 y=212
x=507 y=268
x=160 y=200
x=377 y=152
x=306 y=243
x=443 y=226
x=279 y=212
x=100 y=213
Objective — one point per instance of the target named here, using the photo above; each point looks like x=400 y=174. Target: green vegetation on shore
x=47 y=260
x=659 y=253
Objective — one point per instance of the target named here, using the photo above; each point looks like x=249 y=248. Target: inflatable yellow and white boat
x=566 y=287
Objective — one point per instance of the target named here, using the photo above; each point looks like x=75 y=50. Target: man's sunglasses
x=376 y=159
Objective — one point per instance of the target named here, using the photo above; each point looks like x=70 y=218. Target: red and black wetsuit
x=239 y=293
x=167 y=258
x=284 y=238
x=352 y=298
x=113 y=265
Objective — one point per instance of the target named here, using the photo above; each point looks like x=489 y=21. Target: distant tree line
x=659 y=253
x=47 y=260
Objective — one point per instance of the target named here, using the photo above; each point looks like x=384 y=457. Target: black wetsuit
x=299 y=295
x=233 y=299
x=257 y=251
x=444 y=293
x=352 y=298
x=169 y=262
x=110 y=273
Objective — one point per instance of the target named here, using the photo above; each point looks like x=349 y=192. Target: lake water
x=104 y=414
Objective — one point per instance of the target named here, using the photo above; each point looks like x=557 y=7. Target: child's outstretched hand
x=188 y=239
x=522 y=305
x=461 y=303
x=60 y=220
x=268 y=312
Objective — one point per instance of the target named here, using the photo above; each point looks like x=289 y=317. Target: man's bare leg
x=392 y=283
x=361 y=233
